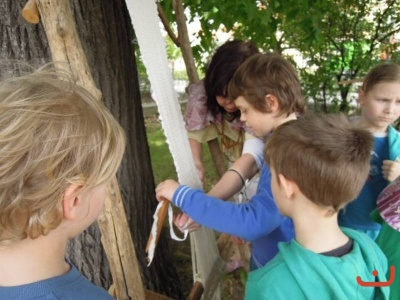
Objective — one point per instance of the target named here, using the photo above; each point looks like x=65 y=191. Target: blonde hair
x=325 y=155
x=53 y=133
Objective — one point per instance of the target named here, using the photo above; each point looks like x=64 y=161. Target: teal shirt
x=389 y=241
x=389 y=238
x=298 y=273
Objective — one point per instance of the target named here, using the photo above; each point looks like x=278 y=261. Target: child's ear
x=272 y=103
x=289 y=187
x=71 y=201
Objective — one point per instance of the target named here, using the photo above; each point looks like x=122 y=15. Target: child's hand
x=391 y=169
x=238 y=240
x=183 y=222
x=166 y=190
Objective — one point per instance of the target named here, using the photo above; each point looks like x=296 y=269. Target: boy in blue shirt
x=267 y=91
x=318 y=165
x=59 y=149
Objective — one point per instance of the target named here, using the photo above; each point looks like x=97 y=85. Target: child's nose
x=390 y=107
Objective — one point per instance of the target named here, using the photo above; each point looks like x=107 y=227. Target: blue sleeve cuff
x=179 y=196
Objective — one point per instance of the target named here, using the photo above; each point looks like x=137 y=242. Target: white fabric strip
x=154 y=233
x=146 y=24
x=171 y=227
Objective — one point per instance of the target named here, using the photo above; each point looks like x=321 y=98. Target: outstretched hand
x=166 y=190
x=183 y=222
x=391 y=170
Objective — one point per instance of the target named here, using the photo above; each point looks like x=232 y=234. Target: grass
x=163 y=168
x=161 y=158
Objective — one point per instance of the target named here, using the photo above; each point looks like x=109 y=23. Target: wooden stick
x=65 y=45
x=30 y=12
x=118 y=245
x=162 y=213
x=150 y=295
x=196 y=292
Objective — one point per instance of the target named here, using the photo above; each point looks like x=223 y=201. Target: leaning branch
x=167 y=27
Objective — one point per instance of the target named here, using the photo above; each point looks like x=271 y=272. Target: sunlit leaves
x=338 y=39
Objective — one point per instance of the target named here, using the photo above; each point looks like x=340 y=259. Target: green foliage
x=181 y=74
x=337 y=40
x=349 y=45
x=173 y=53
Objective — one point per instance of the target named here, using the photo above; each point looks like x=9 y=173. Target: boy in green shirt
x=318 y=165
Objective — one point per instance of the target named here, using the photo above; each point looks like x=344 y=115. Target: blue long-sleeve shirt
x=258 y=220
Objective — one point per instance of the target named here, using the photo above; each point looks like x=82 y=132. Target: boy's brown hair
x=268 y=73
x=326 y=156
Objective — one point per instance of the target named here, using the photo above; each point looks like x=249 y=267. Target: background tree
x=330 y=41
x=107 y=37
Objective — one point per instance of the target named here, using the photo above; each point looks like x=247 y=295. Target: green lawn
x=161 y=159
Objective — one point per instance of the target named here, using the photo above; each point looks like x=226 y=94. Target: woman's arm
x=197 y=152
x=249 y=220
x=231 y=182
x=245 y=167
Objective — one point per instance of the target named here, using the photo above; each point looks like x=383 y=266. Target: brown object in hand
x=160 y=222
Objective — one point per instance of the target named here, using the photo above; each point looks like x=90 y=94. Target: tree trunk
x=107 y=37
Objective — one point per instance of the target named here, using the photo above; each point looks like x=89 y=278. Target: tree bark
x=107 y=37
x=184 y=42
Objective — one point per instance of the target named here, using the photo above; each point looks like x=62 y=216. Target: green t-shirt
x=389 y=241
x=298 y=273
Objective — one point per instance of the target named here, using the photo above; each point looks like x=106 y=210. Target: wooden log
x=64 y=41
x=150 y=295
x=118 y=244
x=66 y=47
